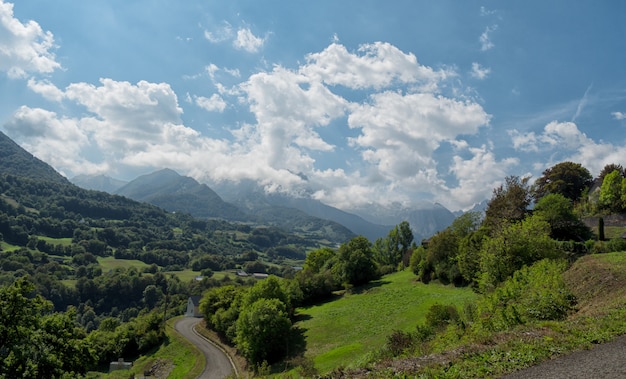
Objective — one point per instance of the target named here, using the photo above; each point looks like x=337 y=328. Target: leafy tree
x=263 y=331
x=515 y=246
x=35 y=343
x=318 y=259
x=609 y=168
x=390 y=251
x=566 y=178
x=509 y=203
x=611 y=192
x=558 y=211
x=355 y=262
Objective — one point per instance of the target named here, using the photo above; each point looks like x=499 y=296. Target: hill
x=98 y=183
x=175 y=193
x=16 y=161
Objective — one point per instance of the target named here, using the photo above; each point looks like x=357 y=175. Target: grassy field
x=56 y=241
x=177 y=355
x=111 y=263
x=343 y=332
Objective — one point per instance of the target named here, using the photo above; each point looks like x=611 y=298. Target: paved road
x=604 y=361
x=218 y=366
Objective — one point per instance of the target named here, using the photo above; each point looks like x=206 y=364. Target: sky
x=350 y=102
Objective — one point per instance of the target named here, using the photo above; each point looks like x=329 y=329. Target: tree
x=509 y=203
x=566 y=178
x=558 y=211
x=35 y=343
x=513 y=247
x=355 y=264
x=390 y=251
x=611 y=192
x=609 y=168
x=263 y=331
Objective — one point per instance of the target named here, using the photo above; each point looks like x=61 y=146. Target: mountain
x=250 y=197
x=175 y=193
x=425 y=218
x=16 y=161
x=98 y=183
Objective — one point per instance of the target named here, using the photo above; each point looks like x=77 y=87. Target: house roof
x=195 y=299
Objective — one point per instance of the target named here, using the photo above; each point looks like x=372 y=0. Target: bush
x=440 y=316
x=532 y=294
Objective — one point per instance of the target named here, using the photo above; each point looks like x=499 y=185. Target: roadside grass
x=184 y=359
x=344 y=332
x=599 y=285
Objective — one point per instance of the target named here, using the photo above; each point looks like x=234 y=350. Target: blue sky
x=350 y=102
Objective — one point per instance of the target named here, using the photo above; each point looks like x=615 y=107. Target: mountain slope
x=98 y=183
x=250 y=197
x=175 y=193
x=16 y=161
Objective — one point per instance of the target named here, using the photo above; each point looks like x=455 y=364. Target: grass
x=599 y=284
x=111 y=263
x=57 y=241
x=343 y=332
x=185 y=361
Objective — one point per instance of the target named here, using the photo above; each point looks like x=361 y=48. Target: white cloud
x=619 y=115
x=46 y=89
x=476 y=177
x=394 y=133
x=215 y=103
x=221 y=34
x=479 y=72
x=568 y=143
x=485 y=38
x=24 y=47
x=247 y=41
x=376 y=65
x=242 y=39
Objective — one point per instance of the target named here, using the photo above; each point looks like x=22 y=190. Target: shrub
x=532 y=294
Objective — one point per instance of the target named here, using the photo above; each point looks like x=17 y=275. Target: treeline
x=522 y=224
x=258 y=320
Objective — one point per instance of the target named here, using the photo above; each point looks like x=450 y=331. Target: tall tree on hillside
x=509 y=203
x=609 y=168
x=566 y=178
x=558 y=211
x=611 y=192
x=355 y=265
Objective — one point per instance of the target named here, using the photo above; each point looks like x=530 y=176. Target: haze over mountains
x=246 y=201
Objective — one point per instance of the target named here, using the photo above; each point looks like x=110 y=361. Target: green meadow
x=343 y=332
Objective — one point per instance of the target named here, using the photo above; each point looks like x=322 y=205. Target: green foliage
x=533 y=293
x=509 y=203
x=439 y=316
x=558 y=211
x=263 y=331
x=390 y=251
x=517 y=245
x=355 y=262
x=611 y=192
x=566 y=178
x=35 y=343
x=601 y=229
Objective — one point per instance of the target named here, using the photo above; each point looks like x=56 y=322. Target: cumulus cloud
x=394 y=133
x=479 y=72
x=24 y=47
x=471 y=186
x=247 y=41
x=374 y=65
x=242 y=39
x=215 y=103
x=569 y=144
x=485 y=38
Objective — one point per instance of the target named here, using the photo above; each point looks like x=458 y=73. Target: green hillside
x=344 y=331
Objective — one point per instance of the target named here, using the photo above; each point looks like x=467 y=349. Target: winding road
x=218 y=365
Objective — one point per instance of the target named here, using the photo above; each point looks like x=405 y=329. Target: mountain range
x=245 y=201
x=242 y=202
